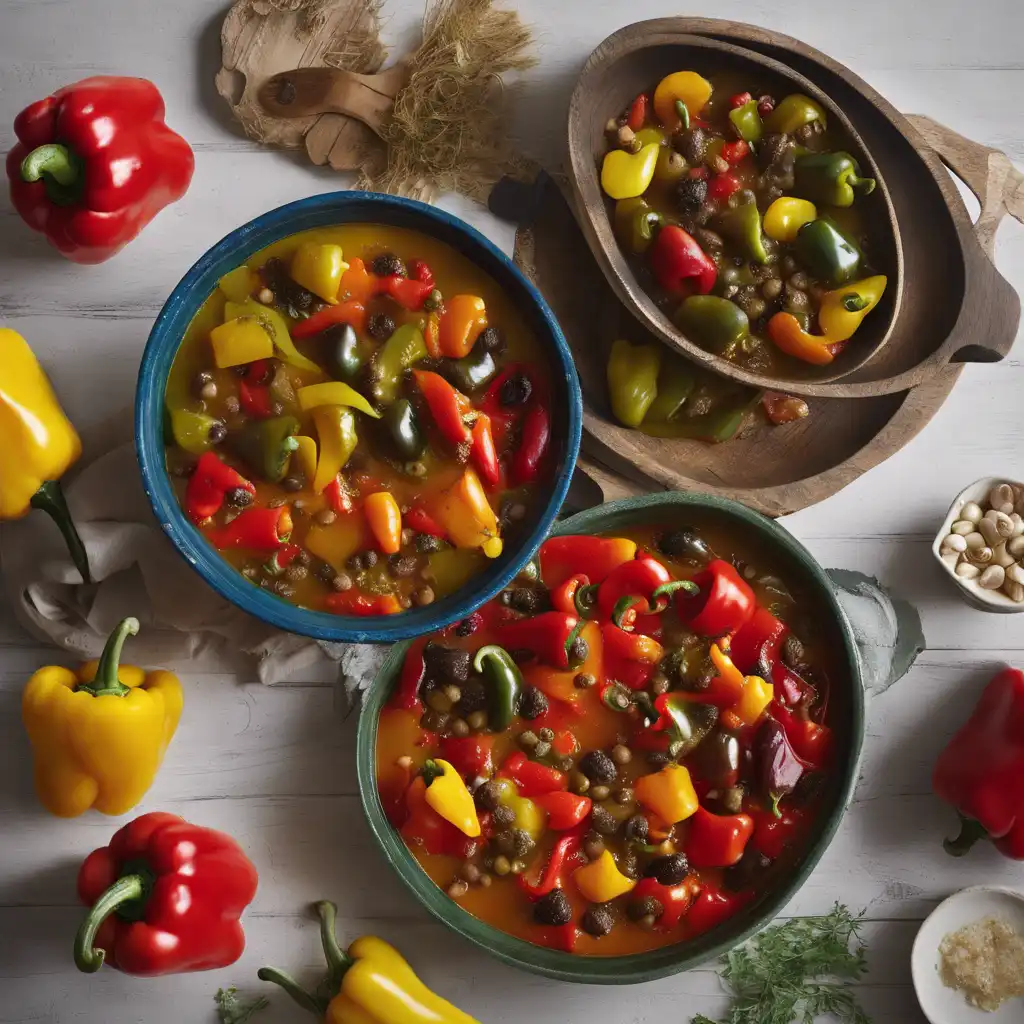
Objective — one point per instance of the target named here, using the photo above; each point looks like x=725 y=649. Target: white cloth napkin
x=137 y=571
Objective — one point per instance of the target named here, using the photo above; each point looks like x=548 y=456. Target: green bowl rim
x=668 y=960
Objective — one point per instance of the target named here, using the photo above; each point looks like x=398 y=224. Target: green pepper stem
x=338 y=961
x=683 y=113
x=126 y=889
x=970 y=832
x=431 y=770
x=50 y=499
x=862 y=186
x=106 y=681
x=58 y=168
x=284 y=980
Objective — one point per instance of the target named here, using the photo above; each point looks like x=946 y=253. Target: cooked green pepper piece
x=742 y=225
x=343 y=358
x=267 y=445
x=831 y=179
x=747 y=122
x=713 y=321
x=635 y=222
x=471 y=372
x=675 y=384
x=191 y=430
x=632 y=380
x=713 y=428
x=690 y=722
x=400 y=420
x=794 y=112
x=827 y=253
x=403 y=349
x=503 y=683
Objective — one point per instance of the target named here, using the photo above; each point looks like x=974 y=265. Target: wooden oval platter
x=619 y=70
x=954 y=310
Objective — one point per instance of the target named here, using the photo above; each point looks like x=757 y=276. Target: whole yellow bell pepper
x=843 y=309
x=669 y=793
x=371 y=983
x=98 y=736
x=37 y=444
x=319 y=269
x=786 y=216
x=467 y=516
x=448 y=795
x=757 y=695
x=239 y=341
x=687 y=87
x=601 y=880
x=626 y=175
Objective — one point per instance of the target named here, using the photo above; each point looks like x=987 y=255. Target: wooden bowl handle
x=594 y=484
x=988 y=173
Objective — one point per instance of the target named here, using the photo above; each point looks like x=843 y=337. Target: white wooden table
x=274 y=767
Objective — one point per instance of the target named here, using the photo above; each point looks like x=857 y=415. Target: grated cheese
x=984 y=961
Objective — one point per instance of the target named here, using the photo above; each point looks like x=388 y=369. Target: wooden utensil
x=306 y=92
x=961 y=308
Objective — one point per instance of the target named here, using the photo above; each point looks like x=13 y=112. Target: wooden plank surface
x=275 y=766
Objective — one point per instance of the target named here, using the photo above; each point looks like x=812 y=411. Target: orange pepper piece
x=357 y=282
x=464 y=320
x=385 y=520
x=785 y=331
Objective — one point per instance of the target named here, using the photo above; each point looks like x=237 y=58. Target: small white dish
x=986 y=600
x=943 y=1005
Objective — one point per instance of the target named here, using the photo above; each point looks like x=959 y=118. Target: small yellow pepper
x=305 y=456
x=601 y=880
x=670 y=166
x=625 y=175
x=467 y=516
x=39 y=444
x=843 y=309
x=334 y=392
x=447 y=794
x=336 y=428
x=371 y=983
x=793 y=112
x=529 y=817
x=632 y=380
x=240 y=341
x=669 y=793
x=786 y=216
x=463 y=321
x=238 y=284
x=98 y=736
x=648 y=135
x=319 y=269
x=757 y=695
x=687 y=87
x=385 y=520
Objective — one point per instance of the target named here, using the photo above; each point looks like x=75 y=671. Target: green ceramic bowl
x=847 y=712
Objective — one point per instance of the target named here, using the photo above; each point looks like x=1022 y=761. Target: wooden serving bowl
x=628 y=63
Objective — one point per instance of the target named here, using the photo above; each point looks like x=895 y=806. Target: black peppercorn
x=381 y=326
x=691 y=194
x=387 y=264
x=598 y=767
x=515 y=390
x=553 y=909
x=532 y=703
x=597 y=920
x=670 y=870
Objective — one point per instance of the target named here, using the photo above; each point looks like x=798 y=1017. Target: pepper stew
x=742 y=214
x=357 y=417
x=621 y=757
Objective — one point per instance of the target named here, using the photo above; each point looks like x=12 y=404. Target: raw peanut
x=974 y=541
x=952 y=543
x=963 y=527
x=972 y=512
x=990 y=532
x=1004 y=524
x=1015 y=573
x=1014 y=591
x=992 y=578
x=1015 y=545
x=980 y=556
x=1006 y=508
x=966 y=571
x=1000 y=495
x=1000 y=556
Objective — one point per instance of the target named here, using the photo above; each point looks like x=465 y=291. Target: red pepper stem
x=50 y=499
x=127 y=889
x=970 y=832
x=106 y=683
x=58 y=168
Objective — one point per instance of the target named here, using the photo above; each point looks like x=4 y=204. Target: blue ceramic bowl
x=193 y=290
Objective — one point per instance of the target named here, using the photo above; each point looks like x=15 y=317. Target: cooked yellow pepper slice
x=786 y=216
x=669 y=793
x=625 y=175
x=239 y=341
x=447 y=794
x=843 y=309
x=318 y=267
x=686 y=86
x=601 y=880
x=238 y=284
x=757 y=695
x=305 y=456
x=467 y=516
x=336 y=428
x=334 y=392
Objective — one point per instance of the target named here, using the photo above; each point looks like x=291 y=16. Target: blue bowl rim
x=181 y=305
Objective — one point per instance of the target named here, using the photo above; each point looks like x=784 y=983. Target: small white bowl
x=986 y=600
x=943 y=1005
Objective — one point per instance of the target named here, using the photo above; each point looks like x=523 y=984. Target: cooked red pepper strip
x=739 y=99
x=531 y=778
x=565 y=743
x=629 y=658
x=563 y=937
x=773 y=836
x=420 y=520
x=565 y=810
x=811 y=742
x=338 y=498
x=712 y=907
x=447 y=406
x=717 y=841
x=723 y=604
x=406 y=292
x=677 y=260
x=790 y=689
x=253 y=394
x=414 y=670
x=638 y=578
x=675 y=900
x=482 y=452
x=209 y=484
x=734 y=152
x=721 y=186
x=563 y=597
x=637 y=113
x=470 y=756
x=350 y=602
x=281 y=559
x=562 y=557
x=564 y=856
x=533 y=444
x=420 y=271
x=545 y=635
x=754 y=648
x=349 y=312
x=258 y=529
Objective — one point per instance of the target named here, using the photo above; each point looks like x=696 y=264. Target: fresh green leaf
x=231 y=1010
x=796 y=972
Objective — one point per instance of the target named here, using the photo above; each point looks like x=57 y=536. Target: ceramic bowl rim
x=636 y=967
x=978 y=597
x=586 y=189
x=187 y=297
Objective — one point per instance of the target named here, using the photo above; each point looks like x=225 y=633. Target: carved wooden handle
x=594 y=484
x=988 y=173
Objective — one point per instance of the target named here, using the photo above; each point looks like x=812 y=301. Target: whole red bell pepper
x=675 y=900
x=209 y=484
x=565 y=857
x=165 y=898
x=531 y=778
x=717 y=840
x=981 y=771
x=677 y=260
x=637 y=578
x=629 y=658
x=95 y=163
x=723 y=603
x=562 y=557
x=258 y=529
x=754 y=648
x=546 y=635
x=565 y=810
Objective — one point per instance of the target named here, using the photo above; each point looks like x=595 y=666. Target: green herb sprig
x=795 y=972
x=231 y=1010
